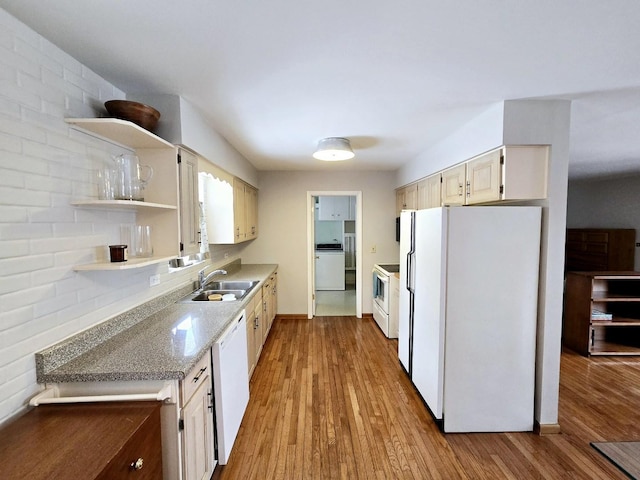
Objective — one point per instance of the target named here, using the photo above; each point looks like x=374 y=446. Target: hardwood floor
x=330 y=400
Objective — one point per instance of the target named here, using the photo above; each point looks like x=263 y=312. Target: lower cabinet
x=196 y=422
x=114 y=441
x=264 y=306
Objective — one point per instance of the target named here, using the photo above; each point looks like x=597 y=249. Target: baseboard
x=546 y=428
x=303 y=316
x=292 y=316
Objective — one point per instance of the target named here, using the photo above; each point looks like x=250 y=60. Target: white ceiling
x=275 y=76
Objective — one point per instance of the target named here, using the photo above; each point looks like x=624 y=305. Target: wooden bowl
x=138 y=113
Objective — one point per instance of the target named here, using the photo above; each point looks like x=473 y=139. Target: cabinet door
x=453 y=180
x=198 y=434
x=333 y=208
x=484 y=178
x=422 y=193
x=189 y=206
x=251 y=212
x=340 y=208
x=400 y=201
x=251 y=342
x=258 y=329
x=239 y=221
x=434 y=190
x=411 y=197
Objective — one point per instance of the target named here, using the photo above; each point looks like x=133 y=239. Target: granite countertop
x=163 y=345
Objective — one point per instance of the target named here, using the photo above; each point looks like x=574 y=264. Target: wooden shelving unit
x=617 y=293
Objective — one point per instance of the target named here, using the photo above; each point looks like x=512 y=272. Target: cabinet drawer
x=198 y=374
x=141 y=457
x=596 y=247
x=600 y=237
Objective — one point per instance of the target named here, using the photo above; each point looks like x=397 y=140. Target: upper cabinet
x=508 y=173
x=161 y=196
x=453 y=180
x=189 y=210
x=511 y=172
x=245 y=211
x=231 y=210
x=335 y=208
x=406 y=198
x=432 y=188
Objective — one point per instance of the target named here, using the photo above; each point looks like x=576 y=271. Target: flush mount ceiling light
x=333 y=149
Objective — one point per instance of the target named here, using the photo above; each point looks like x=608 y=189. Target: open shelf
x=121 y=204
x=616 y=293
x=126 y=133
x=129 y=264
x=160 y=210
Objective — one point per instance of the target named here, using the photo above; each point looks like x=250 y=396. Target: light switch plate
x=154 y=280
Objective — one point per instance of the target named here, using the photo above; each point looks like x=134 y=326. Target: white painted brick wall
x=44 y=164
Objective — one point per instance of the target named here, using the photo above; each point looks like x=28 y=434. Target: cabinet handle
x=197 y=377
x=210 y=393
x=459 y=189
x=468 y=189
x=138 y=464
x=256 y=322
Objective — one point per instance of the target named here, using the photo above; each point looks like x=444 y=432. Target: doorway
x=334 y=243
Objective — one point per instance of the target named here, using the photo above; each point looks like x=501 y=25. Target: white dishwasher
x=230 y=384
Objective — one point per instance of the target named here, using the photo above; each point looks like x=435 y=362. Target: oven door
x=381 y=290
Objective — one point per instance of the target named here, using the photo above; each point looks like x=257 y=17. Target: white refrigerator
x=468 y=310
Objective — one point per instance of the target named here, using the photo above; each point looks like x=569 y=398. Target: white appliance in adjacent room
x=330 y=269
x=468 y=309
x=230 y=384
x=385 y=298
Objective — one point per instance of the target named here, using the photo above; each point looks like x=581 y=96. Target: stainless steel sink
x=231 y=285
x=239 y=288
x=203 y=296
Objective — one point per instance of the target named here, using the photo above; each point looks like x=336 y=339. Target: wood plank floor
x=330 y=400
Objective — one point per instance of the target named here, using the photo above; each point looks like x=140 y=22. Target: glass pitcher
x=131 y=177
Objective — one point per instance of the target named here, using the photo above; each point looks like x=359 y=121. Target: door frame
x=311 y=248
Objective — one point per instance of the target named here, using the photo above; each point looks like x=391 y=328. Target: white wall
x=183 y=124
x=44 y=164
x=282 y=236
x=479 y=134
x=605 y=203
x=547 y=122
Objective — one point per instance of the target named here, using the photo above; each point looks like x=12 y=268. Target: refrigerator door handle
x=409 y=268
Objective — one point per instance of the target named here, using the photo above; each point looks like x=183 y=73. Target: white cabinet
x=453 y=181
x=198 y=449
x=189 y=210
x=330 y=271
x=231 y=211
x=506 y=173
x=429 y=192
x=334 y=208
x=406 y=198
x=160 y=208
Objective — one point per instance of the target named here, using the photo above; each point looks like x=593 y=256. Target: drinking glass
x=142 y=244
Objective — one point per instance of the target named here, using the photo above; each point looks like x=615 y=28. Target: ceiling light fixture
x=334 y=149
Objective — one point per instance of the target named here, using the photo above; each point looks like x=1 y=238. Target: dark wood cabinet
x=600 y=249
x=602 y=313
x=102 y=441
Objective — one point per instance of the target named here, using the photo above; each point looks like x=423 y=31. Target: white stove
x=385 y=298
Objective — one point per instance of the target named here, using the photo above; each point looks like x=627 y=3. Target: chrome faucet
x=204 y=280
